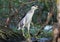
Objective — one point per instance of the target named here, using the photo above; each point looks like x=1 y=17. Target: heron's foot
x=28 y=35
x=29 y=40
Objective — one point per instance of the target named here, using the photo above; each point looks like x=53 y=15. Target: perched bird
x=25 y=22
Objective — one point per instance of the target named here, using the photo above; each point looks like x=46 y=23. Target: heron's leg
x=23 y=30
x=29 y=38
x=28 y=27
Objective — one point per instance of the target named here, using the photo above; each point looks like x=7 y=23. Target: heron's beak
x=37 y=7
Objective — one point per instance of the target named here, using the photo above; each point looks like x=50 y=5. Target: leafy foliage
x=23 y=6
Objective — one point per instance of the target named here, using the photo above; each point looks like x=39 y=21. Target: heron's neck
x=32 y=10
x=30 y=14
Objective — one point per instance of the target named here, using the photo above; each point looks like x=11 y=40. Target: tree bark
x=57 y=31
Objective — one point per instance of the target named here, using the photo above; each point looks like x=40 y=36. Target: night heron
x=25 y=22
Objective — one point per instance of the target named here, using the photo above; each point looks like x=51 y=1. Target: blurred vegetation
x=23 y=6
x=8 y=35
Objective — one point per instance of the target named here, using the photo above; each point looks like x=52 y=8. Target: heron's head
x=34 y=7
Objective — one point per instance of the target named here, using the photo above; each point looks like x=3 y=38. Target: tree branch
x=42 y=27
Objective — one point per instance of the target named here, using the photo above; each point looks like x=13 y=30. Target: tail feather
x=19 y=28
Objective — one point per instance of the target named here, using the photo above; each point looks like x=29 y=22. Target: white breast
x=29 y=16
